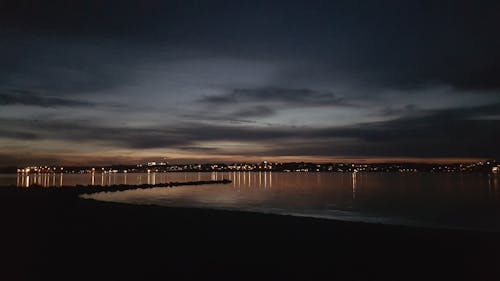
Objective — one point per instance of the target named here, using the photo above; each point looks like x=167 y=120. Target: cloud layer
x=267 y=78
x=23 y=97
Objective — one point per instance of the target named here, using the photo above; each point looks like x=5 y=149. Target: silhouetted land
x=401 y=167
x=47 y=235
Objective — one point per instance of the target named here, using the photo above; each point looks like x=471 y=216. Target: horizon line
x=279 y=159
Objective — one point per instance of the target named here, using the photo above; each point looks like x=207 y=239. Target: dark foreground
x=56 y=235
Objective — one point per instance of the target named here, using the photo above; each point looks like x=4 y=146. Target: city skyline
x=79 y=161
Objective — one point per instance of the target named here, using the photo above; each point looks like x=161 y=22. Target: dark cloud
x=453 y=132
x=60 y=67
x=22 y=97
x=283 y=96
x=388 y=44
x=256 y=111
x=232 y=118
x=200 y=149
x=180 y=135
x=449 y=132
x=18 y=135
x=241 y=105
x=394 y=111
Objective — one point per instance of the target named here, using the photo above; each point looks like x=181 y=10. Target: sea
x=438 y=200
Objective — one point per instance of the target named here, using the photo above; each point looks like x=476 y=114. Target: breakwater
x=86 y=189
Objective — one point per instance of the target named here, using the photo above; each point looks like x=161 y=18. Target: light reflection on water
x=437 y=200
x=104 y=179
x=442 y=200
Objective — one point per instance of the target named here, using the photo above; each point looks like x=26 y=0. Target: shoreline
x=373 y=220
x=57 y=234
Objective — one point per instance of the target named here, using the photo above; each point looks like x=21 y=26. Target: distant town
x=489 y=166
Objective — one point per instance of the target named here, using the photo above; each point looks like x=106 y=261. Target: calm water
x=469 y=201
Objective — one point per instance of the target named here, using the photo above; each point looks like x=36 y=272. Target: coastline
x=340 y=216
x=57 y=234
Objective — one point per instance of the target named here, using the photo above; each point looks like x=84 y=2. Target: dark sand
x=47 y=235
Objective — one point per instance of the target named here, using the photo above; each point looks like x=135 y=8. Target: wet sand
x=47 y=235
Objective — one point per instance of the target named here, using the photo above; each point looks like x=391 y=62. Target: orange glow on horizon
x=89 y=159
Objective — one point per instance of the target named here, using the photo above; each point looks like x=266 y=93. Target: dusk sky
x=126 y=81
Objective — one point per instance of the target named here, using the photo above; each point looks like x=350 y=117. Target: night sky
x=124 y=81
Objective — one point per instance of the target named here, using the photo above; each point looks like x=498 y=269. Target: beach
x=47 y=235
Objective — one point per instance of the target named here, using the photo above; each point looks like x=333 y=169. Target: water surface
x=469 y=201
